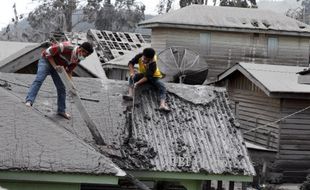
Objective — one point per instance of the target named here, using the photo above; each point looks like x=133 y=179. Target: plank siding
x=228 y=48
x=255 y=109
x=294 y=149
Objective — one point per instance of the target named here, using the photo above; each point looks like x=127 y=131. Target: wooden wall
x=227 y=48
x=294 y=151
x=290 y=137
x=254 y=109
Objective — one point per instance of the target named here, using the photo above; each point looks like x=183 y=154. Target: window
x=273 y=47
x=205 y=40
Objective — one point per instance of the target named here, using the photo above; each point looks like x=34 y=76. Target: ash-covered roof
x=31 y=142
x=224 y=18
x=199 y=135
x=12 y=50
x=271 y=78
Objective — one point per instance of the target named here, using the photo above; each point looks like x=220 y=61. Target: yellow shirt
x=143 y=68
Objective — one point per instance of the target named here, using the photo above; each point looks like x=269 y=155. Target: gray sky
x=25 y=6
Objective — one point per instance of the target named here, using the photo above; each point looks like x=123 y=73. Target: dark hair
x=87 y=47
x=149 y=52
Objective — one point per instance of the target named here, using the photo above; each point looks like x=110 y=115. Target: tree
x=123 y=15
x=301 y=13
x=184 y=3
x=230 y=3
x=239 y=3
x=304 y=12
x=56 y=16
x=164 y=6
x=53 y=15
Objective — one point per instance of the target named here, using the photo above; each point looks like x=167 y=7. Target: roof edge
x=190 y=176
x=59 y=177
x=222 y=29
x=248 y=75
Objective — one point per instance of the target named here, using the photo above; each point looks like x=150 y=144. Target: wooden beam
x=79 y=105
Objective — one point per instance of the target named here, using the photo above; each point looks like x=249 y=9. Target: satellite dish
x=181 y=65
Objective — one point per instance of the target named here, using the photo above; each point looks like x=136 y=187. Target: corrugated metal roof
x=199 y=135
x=275 y=78
x=230 y=17
x=30 y=142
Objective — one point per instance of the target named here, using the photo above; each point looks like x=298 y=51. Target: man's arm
x=141 y=81
x=52 y=62
x=131 y=69
x=131 y=64
x=149 y=73
x=151 y=69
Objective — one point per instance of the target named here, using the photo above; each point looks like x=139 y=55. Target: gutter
x=225 y=29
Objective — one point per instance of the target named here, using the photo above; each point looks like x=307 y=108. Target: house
x=37 y=153
x=273 y=111
x=198 y=142
x=224 y=36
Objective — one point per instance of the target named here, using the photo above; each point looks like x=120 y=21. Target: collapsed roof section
x=110 y=45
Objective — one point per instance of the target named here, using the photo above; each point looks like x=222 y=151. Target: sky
x=25 y=6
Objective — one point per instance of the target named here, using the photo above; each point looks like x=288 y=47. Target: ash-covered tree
x=57 y=15
x=239 y=3
x=164 y=6
x=123 y=15
x=53 y=15
x=301 y=13
x=184 y=3
x=230 y=3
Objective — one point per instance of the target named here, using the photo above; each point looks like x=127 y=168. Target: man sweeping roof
x=56 y=56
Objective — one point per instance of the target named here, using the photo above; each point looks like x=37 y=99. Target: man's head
x=85 y=50
x=148 y=55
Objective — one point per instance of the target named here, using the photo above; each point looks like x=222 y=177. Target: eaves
x=225 y=29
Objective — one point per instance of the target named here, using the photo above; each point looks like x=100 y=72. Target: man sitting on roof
x=56 y=56
x=148 y=71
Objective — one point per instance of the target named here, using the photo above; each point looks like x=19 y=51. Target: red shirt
x=64 y=54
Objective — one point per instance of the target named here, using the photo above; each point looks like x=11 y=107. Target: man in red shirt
x=56 y=56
